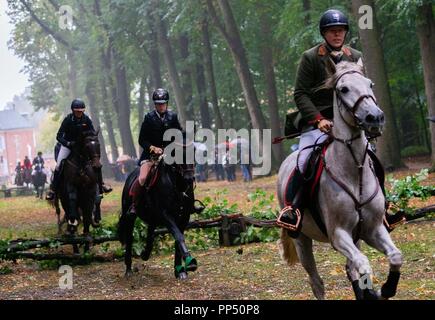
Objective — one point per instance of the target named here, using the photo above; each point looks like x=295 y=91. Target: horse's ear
x=330 y=67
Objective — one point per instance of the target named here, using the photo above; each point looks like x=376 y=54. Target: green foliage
x=52 y=264
x=5 y=270
x=218 y=205
x=414 y=151
x=262 y=209
x=403 y=190
x=4 y=244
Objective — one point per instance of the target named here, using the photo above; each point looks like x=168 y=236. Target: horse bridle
x=359 y=203
x=352 y=109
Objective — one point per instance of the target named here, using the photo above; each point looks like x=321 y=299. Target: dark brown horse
x=78 y=185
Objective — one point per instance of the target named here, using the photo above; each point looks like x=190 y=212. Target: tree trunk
x=202 y=95
x=123 y=97
x=269 y=72
x=72 y=76
x=209 y=72
x=141 y=104
x=426 y=36
x=153 y=52
x=388 y=144
x=172 y=69
x=93 y=110
x=186 y=76
x=150 y=91
x=108 y=118
x=141 y=101
x=231 y=34
x=306 y=4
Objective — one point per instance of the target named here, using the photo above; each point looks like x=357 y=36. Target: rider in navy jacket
x=73 y=126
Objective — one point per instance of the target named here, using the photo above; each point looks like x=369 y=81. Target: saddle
x=152 y=177
x=312 y=176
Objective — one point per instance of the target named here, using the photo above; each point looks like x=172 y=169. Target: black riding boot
x=54 y=185
x=137 y=195
x=391 y=221
x=103 y=188
x=290 y=217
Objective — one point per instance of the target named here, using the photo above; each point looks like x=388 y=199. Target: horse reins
x=353 y=109
x=359 y=203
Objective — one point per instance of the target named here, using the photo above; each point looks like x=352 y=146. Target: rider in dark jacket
x=73 y=126
x=151 y=134
x=38 y=160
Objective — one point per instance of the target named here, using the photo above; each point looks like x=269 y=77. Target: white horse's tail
x=287 y=249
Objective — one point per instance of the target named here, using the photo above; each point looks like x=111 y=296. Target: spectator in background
x=218 y=167
x=27 y=164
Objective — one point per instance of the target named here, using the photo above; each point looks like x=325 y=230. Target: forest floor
x=252 y=271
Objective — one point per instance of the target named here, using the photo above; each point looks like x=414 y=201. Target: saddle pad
x=150 y=181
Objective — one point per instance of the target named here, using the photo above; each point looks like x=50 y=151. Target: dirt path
x=223 y=273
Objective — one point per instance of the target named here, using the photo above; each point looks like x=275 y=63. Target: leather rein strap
x=358 y=201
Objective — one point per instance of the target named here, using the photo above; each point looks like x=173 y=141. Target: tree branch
x=212 y=11
x=46 y=28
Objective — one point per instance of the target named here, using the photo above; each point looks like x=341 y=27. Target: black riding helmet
x=331 y=18
x=78 y=104
x=160 y=96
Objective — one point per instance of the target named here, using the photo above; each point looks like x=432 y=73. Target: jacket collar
x=322 y=51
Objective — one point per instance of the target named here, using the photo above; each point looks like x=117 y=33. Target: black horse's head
x=187 y=167
x=90 y=148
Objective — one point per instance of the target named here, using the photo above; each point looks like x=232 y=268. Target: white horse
x=351 y=203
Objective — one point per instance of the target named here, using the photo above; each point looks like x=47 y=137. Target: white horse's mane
x=340 y=69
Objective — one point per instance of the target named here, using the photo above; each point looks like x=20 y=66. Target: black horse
x=169 y=202
x=78 y=185
x=39 y=179
x=27 y=176
x=19 y=177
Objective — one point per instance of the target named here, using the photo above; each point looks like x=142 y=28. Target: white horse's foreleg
x=352 y=273
x=342 y=241
x=380 y=239
x=358 y=267
x=304 y=248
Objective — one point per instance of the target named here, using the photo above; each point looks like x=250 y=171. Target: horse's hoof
x=182 y=276
x=370 y=294
x=180 y=272
x=128 y=274
x=95 y=224
x=191 y=264
x=145 y=255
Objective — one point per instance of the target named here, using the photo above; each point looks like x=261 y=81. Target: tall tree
x=269 y=73
x=202 y=94
x=426 y=36
x=230 y=32
x=209 y=72
x=164 y=43
x=186 y=74
x=388 y=144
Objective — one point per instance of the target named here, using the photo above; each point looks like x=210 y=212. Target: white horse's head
x=356 y=100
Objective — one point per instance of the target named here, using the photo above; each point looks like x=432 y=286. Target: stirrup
x=106 y=189
x=286 y=225
x=392 y=221
x=50 y=195
x=198 y=208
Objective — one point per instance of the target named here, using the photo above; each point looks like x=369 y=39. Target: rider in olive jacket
x=315 y=111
